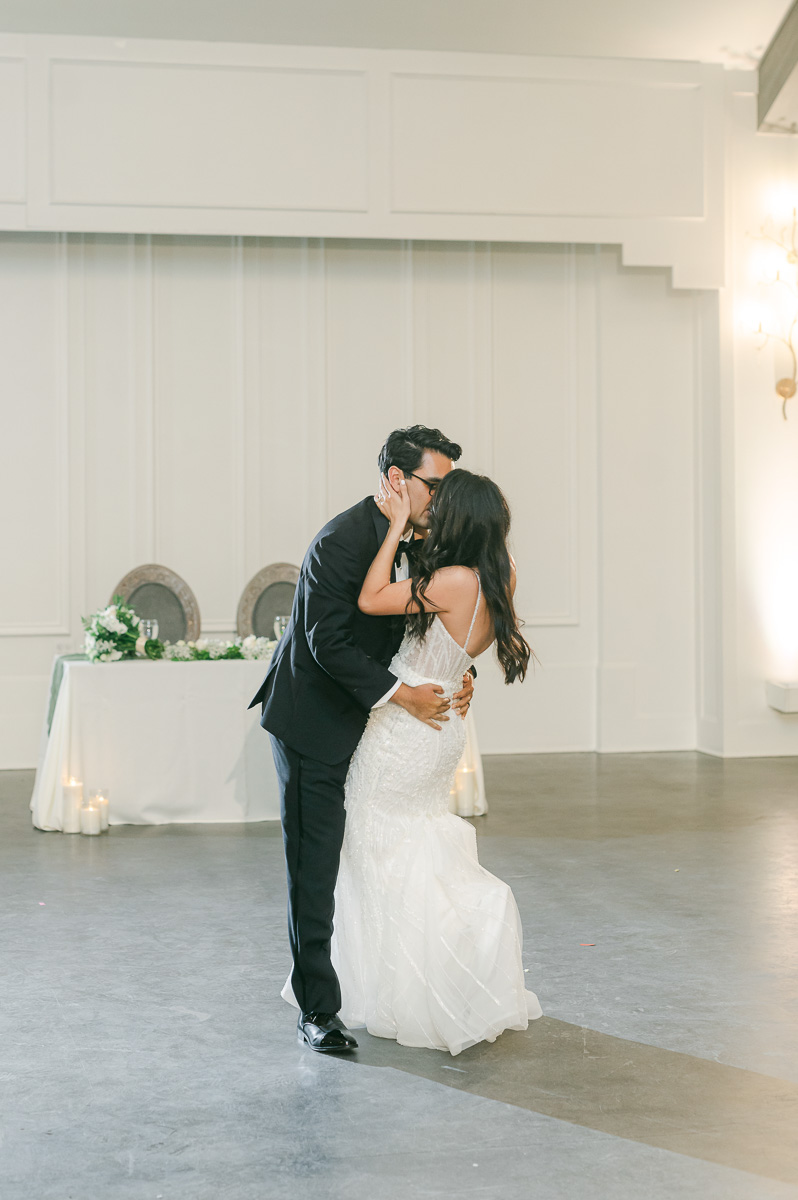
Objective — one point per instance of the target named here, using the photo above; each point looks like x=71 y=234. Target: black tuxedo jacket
x=331 y=664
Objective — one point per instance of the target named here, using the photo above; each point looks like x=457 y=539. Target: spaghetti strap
x=476 y=610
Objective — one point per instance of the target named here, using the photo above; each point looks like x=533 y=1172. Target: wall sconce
x=788 y=385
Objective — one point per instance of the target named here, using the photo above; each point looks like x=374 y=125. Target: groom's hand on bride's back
x=426 y=702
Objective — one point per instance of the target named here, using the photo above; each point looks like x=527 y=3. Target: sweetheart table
x=171 y=742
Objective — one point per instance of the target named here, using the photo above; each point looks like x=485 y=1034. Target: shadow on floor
x=662 y=1098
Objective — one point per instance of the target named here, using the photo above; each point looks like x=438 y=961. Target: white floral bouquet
x=205 y=649
x=113 y=633
x=259 y=648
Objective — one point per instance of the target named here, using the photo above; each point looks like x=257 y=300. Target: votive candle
x=89 y=819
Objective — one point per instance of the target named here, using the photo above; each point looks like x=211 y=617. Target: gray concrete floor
x=145 y=1053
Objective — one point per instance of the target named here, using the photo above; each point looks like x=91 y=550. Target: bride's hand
x=392 y=502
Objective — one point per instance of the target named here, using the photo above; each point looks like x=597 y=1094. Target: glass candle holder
x=99 y=800
x=90 y=820
x=466 y=783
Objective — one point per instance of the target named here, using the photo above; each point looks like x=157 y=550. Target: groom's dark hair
x=404 y=448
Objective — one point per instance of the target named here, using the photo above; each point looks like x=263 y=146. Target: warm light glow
x=776 y=572
x=780 y=618
x=769 y=312
x=779 y=201
x=769 y=262
x=752 y=316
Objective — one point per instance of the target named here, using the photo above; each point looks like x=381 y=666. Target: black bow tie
x=409 y=548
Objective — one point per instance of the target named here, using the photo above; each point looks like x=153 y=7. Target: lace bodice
x=436 y=657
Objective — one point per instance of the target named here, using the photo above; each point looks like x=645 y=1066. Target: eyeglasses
x=430 y=483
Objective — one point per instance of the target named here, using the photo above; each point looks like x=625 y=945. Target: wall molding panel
x=189 y=107
x=39 y=500
x=709 y=589
x=211 y=402
x=13 y=134
x=535 y=379
x=647 y=508
x=456 y=165
x=144 y=399
x=405 y=145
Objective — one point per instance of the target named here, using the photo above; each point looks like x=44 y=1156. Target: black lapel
x=381 y=523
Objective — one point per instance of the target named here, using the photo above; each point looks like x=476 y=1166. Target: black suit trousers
x=312 y=813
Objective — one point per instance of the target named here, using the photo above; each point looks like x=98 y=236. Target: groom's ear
x=395 y=474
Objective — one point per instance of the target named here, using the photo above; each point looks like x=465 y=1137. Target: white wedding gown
x=427 y=943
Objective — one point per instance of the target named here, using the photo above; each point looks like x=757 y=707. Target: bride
x=427 y=943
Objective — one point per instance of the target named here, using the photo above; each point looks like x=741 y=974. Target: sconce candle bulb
x=786 y=243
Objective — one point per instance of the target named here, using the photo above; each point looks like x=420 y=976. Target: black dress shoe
x=324 y=1032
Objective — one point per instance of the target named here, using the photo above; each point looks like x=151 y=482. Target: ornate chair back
x=268 y=595
x=158 y=593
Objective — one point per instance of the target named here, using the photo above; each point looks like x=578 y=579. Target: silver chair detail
x=268 y=595
x=156 y=592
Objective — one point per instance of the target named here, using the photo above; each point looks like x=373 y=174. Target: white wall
x=207 y=403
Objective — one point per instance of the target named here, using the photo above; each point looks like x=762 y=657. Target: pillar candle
x=89 y=819
x=466 y=791
x=72 y=793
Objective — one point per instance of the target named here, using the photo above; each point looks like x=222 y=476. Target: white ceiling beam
x=777 y=65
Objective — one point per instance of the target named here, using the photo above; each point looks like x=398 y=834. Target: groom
x=328 y=672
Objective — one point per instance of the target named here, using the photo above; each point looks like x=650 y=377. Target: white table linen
x=172 y=742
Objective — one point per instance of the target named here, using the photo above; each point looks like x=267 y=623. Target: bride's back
x=464 y=619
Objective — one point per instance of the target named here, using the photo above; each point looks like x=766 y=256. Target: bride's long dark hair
x=469 y=525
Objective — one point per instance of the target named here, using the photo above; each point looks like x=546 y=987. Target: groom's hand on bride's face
x=426 y=702
x=462 y=700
